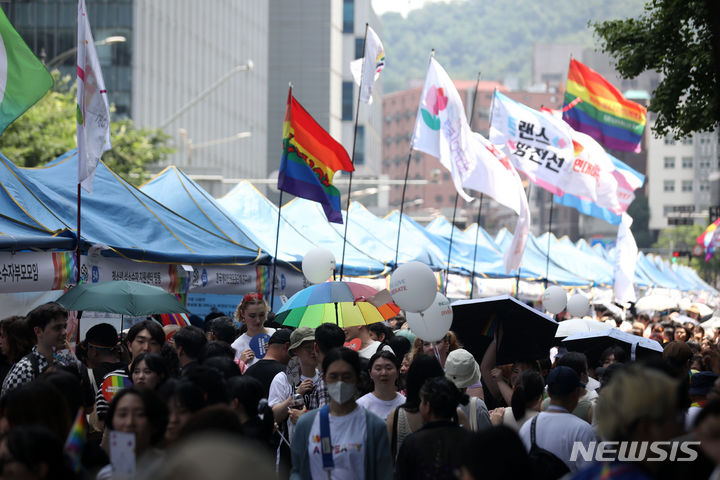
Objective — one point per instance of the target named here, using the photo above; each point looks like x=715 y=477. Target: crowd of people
x=362 y=402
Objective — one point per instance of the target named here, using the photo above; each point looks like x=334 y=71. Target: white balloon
x=413 y=286
x=554 y=299
x=318 y=265
x=578 y=305
x=432 y=324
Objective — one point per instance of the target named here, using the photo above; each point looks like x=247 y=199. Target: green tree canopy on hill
x=489 y=36
x=48 y=129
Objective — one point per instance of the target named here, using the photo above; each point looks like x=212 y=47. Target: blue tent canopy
x=15 y=236
x=130 y=223
x=178 y=192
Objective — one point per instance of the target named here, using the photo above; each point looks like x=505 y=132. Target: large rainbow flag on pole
x=602 y=111
x=310 y=159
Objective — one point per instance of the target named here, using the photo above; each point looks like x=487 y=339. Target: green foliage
x=674 y=38
x=683 y=238
x=48 y=129
x=494 y=37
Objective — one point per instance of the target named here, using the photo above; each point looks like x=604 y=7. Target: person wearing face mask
x=341 y=440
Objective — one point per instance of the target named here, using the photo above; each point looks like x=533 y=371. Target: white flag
x=513 y=255
x=626 y=253
x=367 y=69
x=538 y=144
x=93 y=111
x=441 y=127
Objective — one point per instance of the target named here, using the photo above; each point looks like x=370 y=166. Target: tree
x=48 y=129
x=681 y=40
x=684 y=238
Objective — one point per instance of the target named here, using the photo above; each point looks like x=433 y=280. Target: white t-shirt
x=381 y=408
x=347 y=435
x=371 y=349
x=556 y=432
x=242 y=343
x=280 y=390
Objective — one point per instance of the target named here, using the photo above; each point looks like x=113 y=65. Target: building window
x=360 y=146
x=348 y=16
x=446 y=176
x=669 y=140
x=704 y=186
x=668 y=209
x=687 y=141
x=687 y=162
x=668 y=162
x=359 y=47
x=687 y=185
x=438 y=198
x=668 y=185
x=347 y=100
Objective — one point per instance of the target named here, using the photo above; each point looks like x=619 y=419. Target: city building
x=182 y=66
x=679 y=186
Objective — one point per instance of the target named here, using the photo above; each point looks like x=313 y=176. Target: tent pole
x=472 y=116
x=452 y=230
x=77 y=248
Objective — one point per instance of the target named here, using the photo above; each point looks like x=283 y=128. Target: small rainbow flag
x=489 y=328
x=76 y=440
x=709 y=240
x=113 y=384
x=262 y=281
x=63 y=266
x=180 y=319
x=604 y=113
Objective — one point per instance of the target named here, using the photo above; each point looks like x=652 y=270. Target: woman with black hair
x=246 y=398
x=526 y=400
x=384 y=398
x=33 y=452
x=435 y=451
x=141 y=412
x=149 y=370
x=341 y=440
x=182 y=398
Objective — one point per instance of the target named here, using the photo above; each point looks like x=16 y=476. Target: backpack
x=545 y=464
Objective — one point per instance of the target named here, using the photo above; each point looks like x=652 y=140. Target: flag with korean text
x=366 y=70
x=93 y=111
x=538 y=144
x=442 y=130
x=441 y=127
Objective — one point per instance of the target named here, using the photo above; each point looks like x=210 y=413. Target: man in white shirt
x=368 y=346
x=556 y=429
x=302 y=380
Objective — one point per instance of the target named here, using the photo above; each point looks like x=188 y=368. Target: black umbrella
x=592 y=344
x=527 y=334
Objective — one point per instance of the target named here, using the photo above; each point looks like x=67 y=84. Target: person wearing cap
x=556 y=429
x=700 y=385
x=693 y=312
x=462 y=369
x=103 y=355
x=296 y=380
x=368 y=346
x=275 y=360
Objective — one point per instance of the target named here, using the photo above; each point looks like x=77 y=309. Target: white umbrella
x=656 y=302
x=714 y=322
x=579 y=325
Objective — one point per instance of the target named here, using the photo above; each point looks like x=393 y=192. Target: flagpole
x=517 y=277
x=407 y=171
x=352 y=159
x=472 y=116
x=277 y=228
x=77 y=248
x=547 y=257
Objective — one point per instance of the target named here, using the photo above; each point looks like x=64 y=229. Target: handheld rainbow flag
x=709 y=239
x=76 y=440
x=603 y=112
x=310 y=159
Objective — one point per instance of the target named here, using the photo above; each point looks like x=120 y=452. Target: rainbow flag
x=180 y=319
x=709 y=239
x=310 y=159
x=76 y=440
x=603 y=112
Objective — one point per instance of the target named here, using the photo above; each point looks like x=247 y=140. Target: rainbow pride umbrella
x=344 y=303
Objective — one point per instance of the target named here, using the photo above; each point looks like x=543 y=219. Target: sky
x=400 y=6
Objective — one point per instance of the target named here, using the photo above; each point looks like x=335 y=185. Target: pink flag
x=93 y=112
